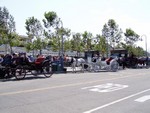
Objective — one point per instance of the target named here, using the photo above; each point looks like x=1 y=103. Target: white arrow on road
x=143 y=99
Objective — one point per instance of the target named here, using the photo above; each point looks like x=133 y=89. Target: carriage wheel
x=47 y=69
x=20 y=73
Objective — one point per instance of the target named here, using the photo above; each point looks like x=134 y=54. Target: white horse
x=76 y=63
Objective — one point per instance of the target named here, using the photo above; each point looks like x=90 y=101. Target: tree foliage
x=33 y=27
x=7 y=28
x=112 y=33
x=35 y=30
x=131 y=37
x=76 y=42
x=52 y=23
x=101 y=44
x=87 y=39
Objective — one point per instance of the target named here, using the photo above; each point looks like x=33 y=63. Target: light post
x=97 y=41
x=145 y=43
x=108 y=46
x=62 y=47
x=106 y=35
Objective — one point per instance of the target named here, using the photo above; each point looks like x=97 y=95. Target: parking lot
x=125 y=91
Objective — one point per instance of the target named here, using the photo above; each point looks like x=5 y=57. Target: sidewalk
x=69 y=69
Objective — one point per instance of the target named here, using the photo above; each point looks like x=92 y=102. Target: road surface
x=125 y=91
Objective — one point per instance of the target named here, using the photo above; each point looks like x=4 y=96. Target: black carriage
x=7 y=71
x=40 y=66
x=22 y=67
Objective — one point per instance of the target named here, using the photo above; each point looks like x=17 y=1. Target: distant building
x=24 y=39
x=119 y=52
x=5 y=48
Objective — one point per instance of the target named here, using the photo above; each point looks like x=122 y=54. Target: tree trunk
x=11 y=51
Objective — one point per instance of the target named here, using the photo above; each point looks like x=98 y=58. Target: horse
x=75 y=62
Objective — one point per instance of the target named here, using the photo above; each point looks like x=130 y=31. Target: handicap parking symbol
x=108 y=87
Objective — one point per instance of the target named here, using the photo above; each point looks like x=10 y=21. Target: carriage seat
x=108 y=60
x=39 y=60
x=103 y=63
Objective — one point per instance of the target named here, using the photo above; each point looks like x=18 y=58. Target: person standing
x=95 y=57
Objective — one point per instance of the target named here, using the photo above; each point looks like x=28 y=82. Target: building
x=119 y=52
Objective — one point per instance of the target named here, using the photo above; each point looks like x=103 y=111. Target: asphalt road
x=125 y=91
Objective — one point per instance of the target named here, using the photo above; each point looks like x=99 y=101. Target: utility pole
x=145 y=44
x=62 y=47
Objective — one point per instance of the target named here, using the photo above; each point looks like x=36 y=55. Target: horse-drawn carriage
x=134 y=62
x=110 y=64
x=20 y=69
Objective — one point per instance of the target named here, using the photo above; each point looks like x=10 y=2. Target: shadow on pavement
x=27 y=77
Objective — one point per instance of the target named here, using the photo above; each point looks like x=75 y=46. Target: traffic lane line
x=62 y=86
x=143 y=98
x=114 y=102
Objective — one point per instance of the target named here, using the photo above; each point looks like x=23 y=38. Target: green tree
x=7 y=28
x=67 y=45
x=51 y=22
x=29 y=47
x=131 y=37
x=35 y=30
x=60 y=36
x=53 y=30
x=66 y=42
x=77 y=43
x=112 y=33
x=87 y=40
x=100 y=44
x=34 y=27
x=139 y=51
x=39 y=44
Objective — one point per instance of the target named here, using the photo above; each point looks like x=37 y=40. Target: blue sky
x=85 y=15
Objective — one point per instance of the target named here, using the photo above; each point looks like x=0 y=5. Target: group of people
x=15 y=58
x=102 y=58
x=11 y=61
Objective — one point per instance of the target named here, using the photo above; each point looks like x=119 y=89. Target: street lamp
x=145 y=43
x=62 y=46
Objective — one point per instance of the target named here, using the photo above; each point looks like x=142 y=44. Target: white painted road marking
x=108 y=87
x=143 y=99
x=67 y=85
x=114 y=102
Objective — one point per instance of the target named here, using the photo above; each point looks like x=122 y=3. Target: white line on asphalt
x=108 y=87
x=114 y=102
x=67 y=85
x=143 y=99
